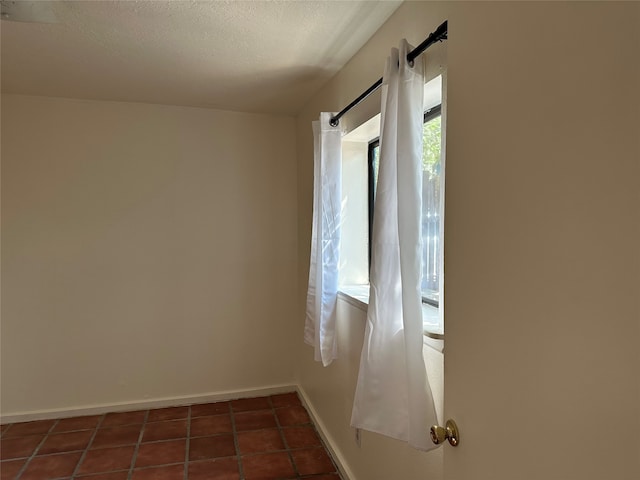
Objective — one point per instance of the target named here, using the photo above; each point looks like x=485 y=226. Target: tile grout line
x=284 y=440
x=35 y=451
x=188 y=444
x=86 y=450
x=137 y=447
x=236 y=441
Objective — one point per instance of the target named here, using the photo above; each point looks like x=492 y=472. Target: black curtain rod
x=438 y=35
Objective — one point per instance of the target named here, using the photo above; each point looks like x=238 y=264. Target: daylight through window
x=431 y=202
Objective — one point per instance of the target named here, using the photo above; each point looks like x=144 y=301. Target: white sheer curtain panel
x=322 y=293
x=393 y=396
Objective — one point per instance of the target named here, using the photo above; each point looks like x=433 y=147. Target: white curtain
x=393 y=396
x=320 y=322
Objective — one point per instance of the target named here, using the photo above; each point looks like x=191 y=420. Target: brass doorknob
x=448 y=432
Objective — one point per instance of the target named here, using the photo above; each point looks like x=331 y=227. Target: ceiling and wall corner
x=250 y=56
x=148 y=224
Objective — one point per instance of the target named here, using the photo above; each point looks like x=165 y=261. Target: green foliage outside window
x=431 y=136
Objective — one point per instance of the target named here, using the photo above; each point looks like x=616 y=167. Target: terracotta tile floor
x=265 y=438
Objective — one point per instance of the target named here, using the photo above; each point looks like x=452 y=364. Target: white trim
x=343 y=469
x=146 y=404
x=349 y=294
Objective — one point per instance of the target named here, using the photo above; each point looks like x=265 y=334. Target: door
x=541 y=241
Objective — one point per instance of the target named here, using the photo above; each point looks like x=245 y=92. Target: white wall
x=354 y=227
x=148 y=252
x=542 y=273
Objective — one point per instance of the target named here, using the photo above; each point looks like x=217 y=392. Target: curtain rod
x=438 y=35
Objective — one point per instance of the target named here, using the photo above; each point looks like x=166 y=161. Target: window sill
x=358 y=296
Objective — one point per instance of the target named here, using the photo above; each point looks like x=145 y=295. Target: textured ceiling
x=254 y=56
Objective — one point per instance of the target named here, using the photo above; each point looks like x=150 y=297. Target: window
x=431 y=202
x=359 y=171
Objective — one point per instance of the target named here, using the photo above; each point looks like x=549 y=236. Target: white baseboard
x=345 y=471
x=145 y=404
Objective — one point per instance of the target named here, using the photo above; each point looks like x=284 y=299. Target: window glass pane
x=375 y=160
x=431 y=202
x=431 y=205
